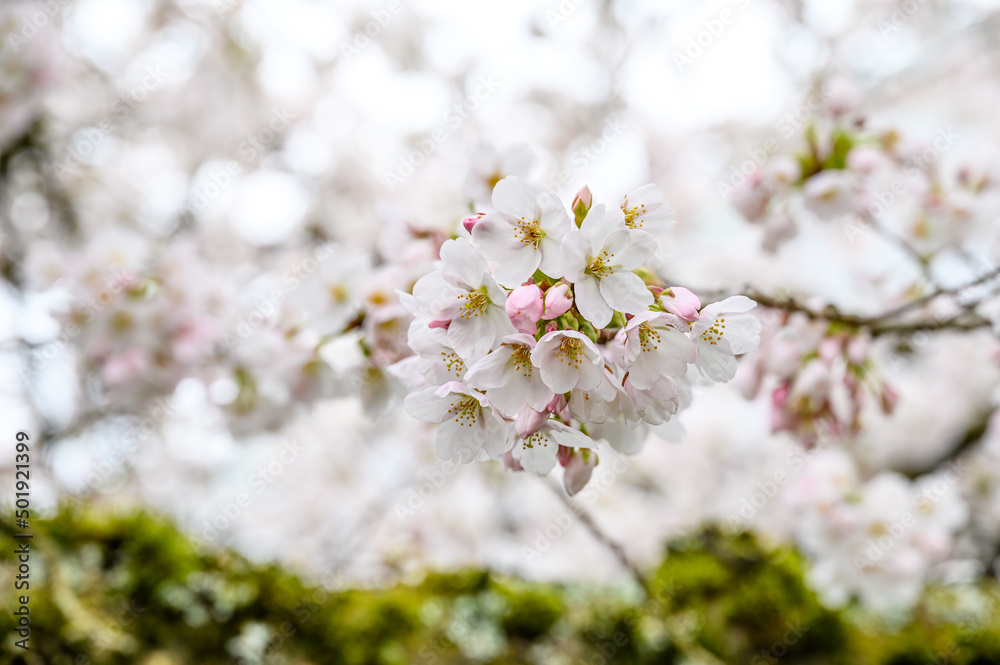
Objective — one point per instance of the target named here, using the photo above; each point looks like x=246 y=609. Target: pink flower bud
x=578 y=471
x=528 y=421
x=583 y=198
x=681 y=302
x=469 y=222
x=524 y=307
x=439 y=324
x=557 y=301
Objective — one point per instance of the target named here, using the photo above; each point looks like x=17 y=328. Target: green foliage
x=129 y=588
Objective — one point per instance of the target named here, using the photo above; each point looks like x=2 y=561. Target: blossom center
x=475 y=303
x=599 y=265
x=631 y=215
x=528 y=232
x=454 y=364
x=521 y=358
x=539 y=438
x=465 y=410
x=649 y=338
x=570 y=351
x=715 y=333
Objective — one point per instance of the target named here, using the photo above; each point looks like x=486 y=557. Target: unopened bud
x=469 y=222
x=581 y=204
x=679 y=301
x=557 y=301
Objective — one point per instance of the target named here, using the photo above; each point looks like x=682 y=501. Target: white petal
x=646 y=371
x=742 y=331
x=516 y=197
x=426 y=405
x=538 y=454
x=558 y=376
x=497 y=435
x=551 y=263
x=631 y=248
x=455 y=441
x=555 y=222
x=737 y=304
x=575 y=253
x=716 y=361
x=569 y=436
x=472 y=338
x=591 y=302
x=626 y=292
x=462 y=264
x=494 y=236
x=490 y=372
x=600 y=223
x=517 y=266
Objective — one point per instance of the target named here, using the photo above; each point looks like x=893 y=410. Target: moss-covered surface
x=130 y=589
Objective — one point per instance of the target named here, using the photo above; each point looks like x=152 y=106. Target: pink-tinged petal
x=523 y=324
x=578 y=472
x=574 y=256
x=631 y=248
x=516 y=197
x=626 y=292
x=509 y=463
x=591 y=303
x=529 y=420
x=601 y=223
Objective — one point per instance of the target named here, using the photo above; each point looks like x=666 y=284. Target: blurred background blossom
x=209 y=208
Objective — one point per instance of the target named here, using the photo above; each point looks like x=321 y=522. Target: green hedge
x=130 y=589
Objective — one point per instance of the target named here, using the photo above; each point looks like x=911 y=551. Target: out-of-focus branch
x=886 y=322
x=973 y=434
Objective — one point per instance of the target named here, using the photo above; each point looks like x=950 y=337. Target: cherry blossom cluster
x=540 y=331
x=820 y=379
x=878 y=538
x=871 y=182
